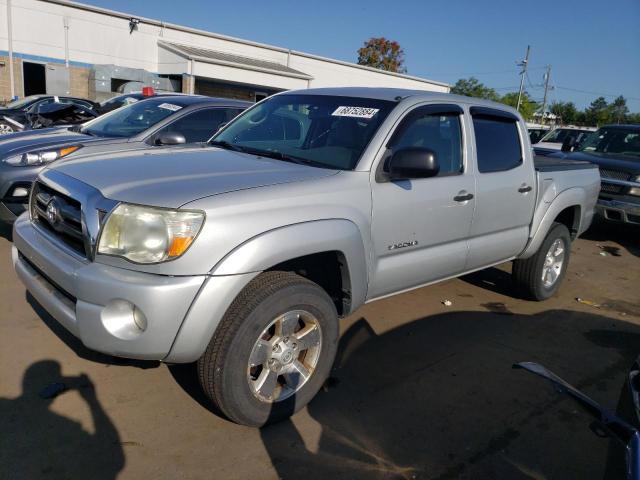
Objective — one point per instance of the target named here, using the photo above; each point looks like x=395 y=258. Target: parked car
x=616 y=151
x=14 y=116
x=146 y=124
x=537 y=131
x=244 y=257
x=552 y=141
x=129 y=98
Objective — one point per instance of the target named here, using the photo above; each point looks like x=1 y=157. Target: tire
x=270 y=307
x=527 y=273
x=6 y=128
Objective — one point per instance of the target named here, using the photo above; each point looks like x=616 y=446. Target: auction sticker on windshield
x=356 y=112
x=170 y=106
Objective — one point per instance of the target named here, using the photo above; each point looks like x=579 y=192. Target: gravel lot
x=420 y=389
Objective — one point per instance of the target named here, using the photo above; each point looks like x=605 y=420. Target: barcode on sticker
x=357 y=112
x=170 y=106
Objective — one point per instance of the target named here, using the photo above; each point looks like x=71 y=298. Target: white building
x=63 y=47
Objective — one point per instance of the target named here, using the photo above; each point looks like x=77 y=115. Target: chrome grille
x=615 y=174
x=58 y=214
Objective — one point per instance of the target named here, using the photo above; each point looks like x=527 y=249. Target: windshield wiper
x=226 y=145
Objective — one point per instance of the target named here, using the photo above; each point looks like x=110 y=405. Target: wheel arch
x=325 y=251
x=567 y=209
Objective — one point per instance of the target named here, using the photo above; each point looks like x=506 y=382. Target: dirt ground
x=420 y=390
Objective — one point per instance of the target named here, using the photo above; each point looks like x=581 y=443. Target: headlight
x=635 y=190
x=39 y=158
x=147 y=234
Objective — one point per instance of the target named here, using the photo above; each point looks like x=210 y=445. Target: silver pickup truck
x=243 y=256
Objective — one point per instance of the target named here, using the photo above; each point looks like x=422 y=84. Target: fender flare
x=573 y=197
x=292 y=241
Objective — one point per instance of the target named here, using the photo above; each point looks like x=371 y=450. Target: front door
x=505 y=188
x=420 y=226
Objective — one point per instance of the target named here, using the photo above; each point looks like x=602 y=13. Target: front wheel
x=5 y=128
x=539 y=277
x=272 y=351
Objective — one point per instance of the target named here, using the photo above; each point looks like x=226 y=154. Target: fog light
x=634 y=191
x=20 y=192
x=123 y=319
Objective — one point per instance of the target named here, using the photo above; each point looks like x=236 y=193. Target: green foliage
x=598 y=113
x=567 y=112
x=527 y=106
x=471 y=87
x=619 y=110
x=382 y=54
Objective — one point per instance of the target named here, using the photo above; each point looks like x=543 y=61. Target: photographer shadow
x=36 y=442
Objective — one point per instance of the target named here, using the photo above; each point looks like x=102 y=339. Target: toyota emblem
x=52 y=212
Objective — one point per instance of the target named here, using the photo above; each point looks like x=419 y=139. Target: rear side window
x=497 y=144
x=200 y=125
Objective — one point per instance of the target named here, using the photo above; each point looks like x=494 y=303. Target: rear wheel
x=273 y=349
x=539 y=277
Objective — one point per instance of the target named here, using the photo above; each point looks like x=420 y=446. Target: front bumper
x=90 y=300
x=619 y=211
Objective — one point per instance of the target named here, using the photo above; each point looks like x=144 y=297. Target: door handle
x=525 y=188
x=463 y=197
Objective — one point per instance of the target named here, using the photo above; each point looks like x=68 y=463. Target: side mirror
x=568 y=144
x=171 y=139
x=413 y=162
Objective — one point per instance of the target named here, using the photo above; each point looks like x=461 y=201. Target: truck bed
x=547 y=164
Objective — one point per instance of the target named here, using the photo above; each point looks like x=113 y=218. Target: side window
x=198 y=126
x=38 y=106
x=497 y=143
x=439 y=132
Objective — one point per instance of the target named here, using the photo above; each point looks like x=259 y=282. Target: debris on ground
x=587 y=302
x=447 y=303
x=603 y=254
x=52 y=390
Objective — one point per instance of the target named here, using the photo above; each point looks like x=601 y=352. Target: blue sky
x=592 y=46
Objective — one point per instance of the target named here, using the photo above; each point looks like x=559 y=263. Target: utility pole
x=10 y=39
x=546 y=89
x=524 y=65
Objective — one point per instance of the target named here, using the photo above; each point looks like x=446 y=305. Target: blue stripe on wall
x=38 y=58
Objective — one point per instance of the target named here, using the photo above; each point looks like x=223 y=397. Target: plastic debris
x=604 y=254
x=52 y=390
x=587 y=302
x=447 y=303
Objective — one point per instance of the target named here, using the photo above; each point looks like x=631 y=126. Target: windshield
x=322 y=130
x=559 y=135
x=22 y=103
x=613 y=141
x=132 y=119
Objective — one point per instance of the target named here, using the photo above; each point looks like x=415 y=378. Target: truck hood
x=171 y=179
x=38 y=139
x=611 y=162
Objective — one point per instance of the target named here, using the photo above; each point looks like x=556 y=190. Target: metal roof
x=228 y=59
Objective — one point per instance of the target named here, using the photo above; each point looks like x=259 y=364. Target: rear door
x=505 y=188
x=420 y=226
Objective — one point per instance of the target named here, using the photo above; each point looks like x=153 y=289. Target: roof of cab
x=397 y=94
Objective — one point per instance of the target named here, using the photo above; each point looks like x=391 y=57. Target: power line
x=595 y=93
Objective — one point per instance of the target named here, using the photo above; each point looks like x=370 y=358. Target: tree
x=471 y=87
x=527 y=105
x=598 y=113
x=382 y=54
x=619 y=110
x=567 y=112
